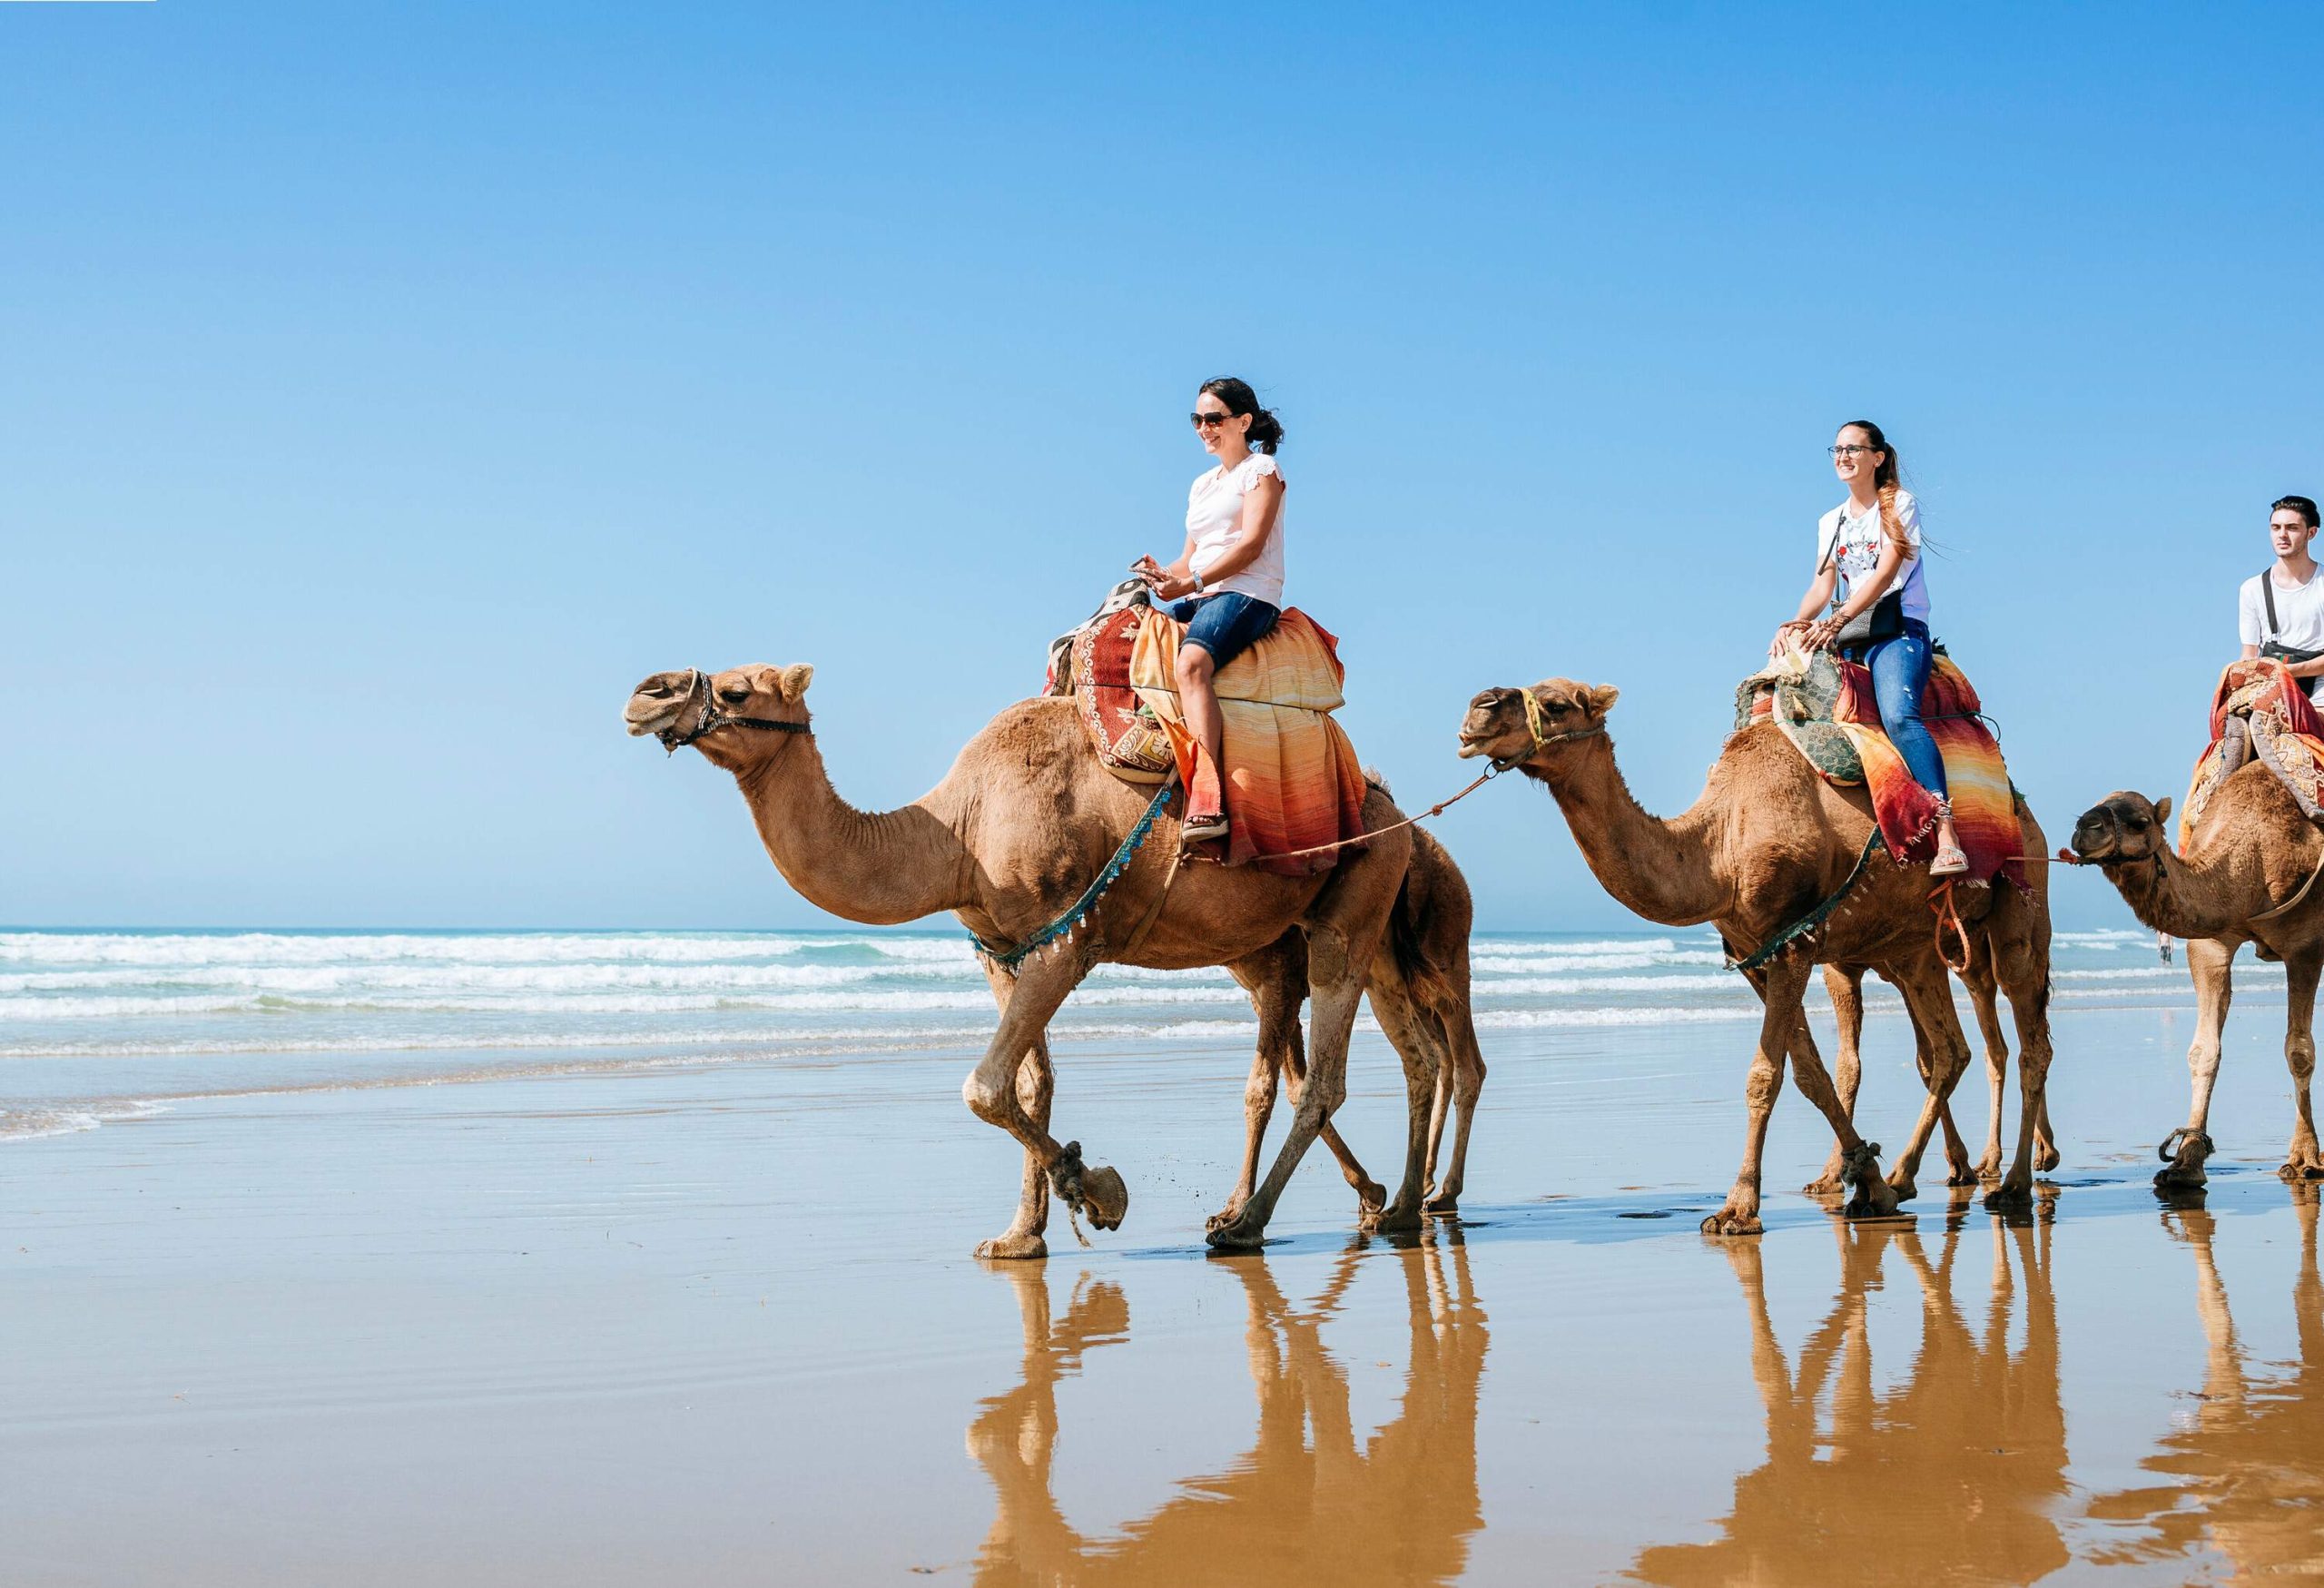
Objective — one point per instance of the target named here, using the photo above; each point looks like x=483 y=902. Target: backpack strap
x=2268 y=593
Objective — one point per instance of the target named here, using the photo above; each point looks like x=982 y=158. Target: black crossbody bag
x=2274 y=647
x=1884 y=618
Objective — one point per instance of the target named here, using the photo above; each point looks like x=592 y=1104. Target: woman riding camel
x=1231 y=572
x=1873 y=541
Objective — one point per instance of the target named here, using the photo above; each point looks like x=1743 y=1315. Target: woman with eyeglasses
x=1227 y=586
x=1871 y=541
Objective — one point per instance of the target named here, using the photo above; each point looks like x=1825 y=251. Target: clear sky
x=385 y=389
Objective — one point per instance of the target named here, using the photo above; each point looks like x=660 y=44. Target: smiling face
x=1855 y=460
x=1499 y=727
x=1218 y=426
x=2124 y=826
x=2289 y=532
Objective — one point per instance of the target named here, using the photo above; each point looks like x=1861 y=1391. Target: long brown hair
x=1884 y=480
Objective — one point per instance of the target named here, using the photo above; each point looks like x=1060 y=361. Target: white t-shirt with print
x=2299 y=617
x=1859 y=555
x=1214 y=517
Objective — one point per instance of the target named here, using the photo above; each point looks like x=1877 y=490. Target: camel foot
x=1396 y=1217
x=1227 y=1215
x=1962 y=1175
x=1733 y=1221
x=2182 y=1152
x=1370 y=1198
x=1829 y=1186
x=2180 y=1177
x=1442 y=1204
x=1239 y=1234
x=2046 y=1157
x=1097 y=1193
x=2009 y=1197
x=1013 y=1245
x=1988 y=1169
x=2301 y=1169
x=1901 y=1183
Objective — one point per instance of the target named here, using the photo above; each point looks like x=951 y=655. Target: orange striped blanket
x=2286 y=732
x=1292 y=779
x=1796 y=690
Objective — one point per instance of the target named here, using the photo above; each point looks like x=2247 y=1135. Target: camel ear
x=1602 y=698
x=2163 y=810
x=795 y=679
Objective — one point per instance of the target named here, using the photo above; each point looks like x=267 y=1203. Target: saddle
x=2277 y=725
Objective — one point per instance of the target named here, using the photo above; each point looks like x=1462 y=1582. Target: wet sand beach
x=717 y=1323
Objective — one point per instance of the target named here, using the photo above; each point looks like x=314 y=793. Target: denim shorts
x=1225 y=624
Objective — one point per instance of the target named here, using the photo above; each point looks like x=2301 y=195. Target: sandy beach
x=716 y=1323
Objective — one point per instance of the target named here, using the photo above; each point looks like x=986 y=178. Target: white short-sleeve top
x=1860 y=537
x=1214 y=514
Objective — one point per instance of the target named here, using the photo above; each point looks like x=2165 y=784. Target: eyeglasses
x=1848 y=450
x=1203 y=421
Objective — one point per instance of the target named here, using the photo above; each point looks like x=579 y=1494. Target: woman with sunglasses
x=1873 y=541
x=1227 y=586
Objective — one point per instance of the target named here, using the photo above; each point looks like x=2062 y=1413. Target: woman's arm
x=1819 y=592
x=1262 y=504
x=1884 y=572
x=1156 y=575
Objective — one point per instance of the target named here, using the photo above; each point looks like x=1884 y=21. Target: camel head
x=734 y=718
x=1502 y=725
x=2124 y=826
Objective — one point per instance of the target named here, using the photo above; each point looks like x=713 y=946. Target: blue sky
x=384 y=390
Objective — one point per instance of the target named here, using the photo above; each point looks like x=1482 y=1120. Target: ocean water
x=96 y=1027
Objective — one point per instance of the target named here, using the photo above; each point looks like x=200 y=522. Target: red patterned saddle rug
x=1128 y=737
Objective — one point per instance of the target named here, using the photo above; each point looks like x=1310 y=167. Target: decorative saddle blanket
x=1291 y=780
x=1826 y=708
x=2283 y=729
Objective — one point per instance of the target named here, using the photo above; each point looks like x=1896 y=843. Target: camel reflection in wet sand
x=1397 y=1508
x=2242 y=1479
x=1952 y=1476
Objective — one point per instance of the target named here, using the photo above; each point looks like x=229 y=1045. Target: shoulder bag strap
x=2268 y=593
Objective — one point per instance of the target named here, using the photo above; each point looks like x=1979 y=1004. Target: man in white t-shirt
x=2280 y=612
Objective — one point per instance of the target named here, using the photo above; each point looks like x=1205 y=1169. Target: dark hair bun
x=1267 y=431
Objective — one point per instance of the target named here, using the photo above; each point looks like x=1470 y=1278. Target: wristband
x=1197 y=578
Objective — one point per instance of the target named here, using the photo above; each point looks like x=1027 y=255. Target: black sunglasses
x=1203 y=421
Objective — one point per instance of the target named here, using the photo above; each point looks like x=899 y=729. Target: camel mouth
x=655 y=705
x=1482 y=728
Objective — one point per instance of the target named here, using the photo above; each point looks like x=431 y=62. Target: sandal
x=1202 y=829
x=1949 y=862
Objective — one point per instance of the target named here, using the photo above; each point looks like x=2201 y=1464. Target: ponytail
x=1265 y=433
x=1884 y=480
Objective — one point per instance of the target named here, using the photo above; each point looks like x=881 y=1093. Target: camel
x=1972 y=1421
x=2238 y=878
x=1768 y=840
x=1315 y=1498
x=1018 y=827
x=2235 y=1476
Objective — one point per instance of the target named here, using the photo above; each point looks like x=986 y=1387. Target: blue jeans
x=1225 y=624
x=1899 y=673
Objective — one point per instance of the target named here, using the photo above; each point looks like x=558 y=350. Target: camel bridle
x=1534 y=725
x=713 y=716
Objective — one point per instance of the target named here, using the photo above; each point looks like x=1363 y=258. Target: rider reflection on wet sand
x=1313 y=1501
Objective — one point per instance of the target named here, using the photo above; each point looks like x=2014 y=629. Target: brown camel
x=1315 y=1499
x=2236 y=1475
x=1767 y=842
x=1019 y=826
x=2238 y=881
x=1972 y=1421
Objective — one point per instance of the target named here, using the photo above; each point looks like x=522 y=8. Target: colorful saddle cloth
x=1292 y=779
x=2285 y=731
x=1826 y=708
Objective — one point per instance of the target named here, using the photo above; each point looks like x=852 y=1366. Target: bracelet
x=1197 y=578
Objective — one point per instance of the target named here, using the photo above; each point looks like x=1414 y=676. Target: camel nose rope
x=1942 y=903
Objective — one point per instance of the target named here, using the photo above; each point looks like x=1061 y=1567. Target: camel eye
x=735 y=693
x=2138 y=824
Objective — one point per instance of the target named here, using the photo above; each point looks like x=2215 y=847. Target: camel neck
x=880 y=868
x=1653 y=866
x=2175 y=897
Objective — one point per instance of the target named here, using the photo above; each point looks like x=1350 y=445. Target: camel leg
x=994 y=1095
x=2300 y=1052
x=1036 y=1083
x=1458 y=1040
x=1928 y=993
x=1336 y=982
x=1985 y=998
x=2210 y=963
x=2027 y=975
x=1846 y=986
x=1424 y=1064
